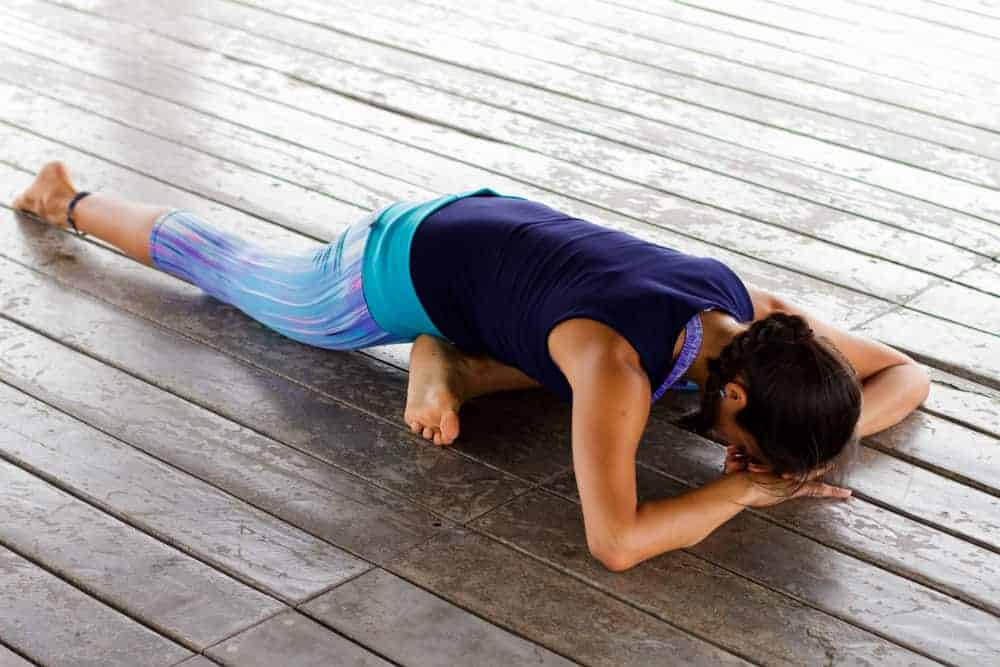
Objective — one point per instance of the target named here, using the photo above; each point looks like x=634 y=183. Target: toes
x=449 y=426
x=428 y=432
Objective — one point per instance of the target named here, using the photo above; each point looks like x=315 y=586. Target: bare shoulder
x=577 y=342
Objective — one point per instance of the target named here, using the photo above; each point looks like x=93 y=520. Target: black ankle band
x=69 y=211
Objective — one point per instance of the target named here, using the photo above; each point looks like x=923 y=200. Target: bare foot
x=437 y=389
x=49 y=196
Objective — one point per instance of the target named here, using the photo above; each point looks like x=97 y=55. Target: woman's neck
x=719 y=329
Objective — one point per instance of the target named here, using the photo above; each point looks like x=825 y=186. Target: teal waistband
x=385 y=270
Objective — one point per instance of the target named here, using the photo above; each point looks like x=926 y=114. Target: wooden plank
x=718 y=111
x=722 y=192
x=824 y=578
x=10 y=659
x=682 y=73
x=197 y=661
x=563 y=33
x=947 y=225
x=501 y=585
x=963 y=401
x=932 y=12
x=899 y=79
x=185 y=512
x=435 y=477
x=302 y=490
x=732 y=606
x=292 y=639
x=488 y=100
x=916 y=43
x=167 y=590
x=54 y=624
x=910 y=21
x=972 y=355
x=987 y=8
x=411 y=626
x=842 y=306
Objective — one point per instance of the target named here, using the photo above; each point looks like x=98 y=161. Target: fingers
x=822 y=490
x=735 y=460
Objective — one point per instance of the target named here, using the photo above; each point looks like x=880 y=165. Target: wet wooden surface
x=183 y=486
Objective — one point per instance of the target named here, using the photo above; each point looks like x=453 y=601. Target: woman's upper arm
x=867 y=356
x=610 y=408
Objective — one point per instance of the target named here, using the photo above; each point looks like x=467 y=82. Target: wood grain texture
x=56 y=624
x=179 y=509
x=181 y=597
x=412 y=626
x=292 y=639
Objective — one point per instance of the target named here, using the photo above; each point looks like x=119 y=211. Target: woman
x=499 y=292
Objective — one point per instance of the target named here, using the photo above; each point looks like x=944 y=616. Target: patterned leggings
x=314 y=297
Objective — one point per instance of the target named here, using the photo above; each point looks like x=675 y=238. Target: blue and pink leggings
x=313 y=297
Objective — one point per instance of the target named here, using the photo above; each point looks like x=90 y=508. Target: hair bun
x=785 y=328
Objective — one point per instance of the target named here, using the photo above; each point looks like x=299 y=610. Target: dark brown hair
x=803 y=396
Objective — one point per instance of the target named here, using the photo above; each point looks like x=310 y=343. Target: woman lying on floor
x=499 y=293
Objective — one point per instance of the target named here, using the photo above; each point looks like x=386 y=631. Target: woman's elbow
x=614 y=552
x=614 y=558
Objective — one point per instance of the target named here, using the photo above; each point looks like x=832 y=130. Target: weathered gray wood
x=935 y=13
x=983 y=311
x=880 y=601
x=547 y=606
x=10 y=659
x=300 y=489
x=726 y=194
x=56 y=625
x=976 y=8
x=841 y=306
x=371 y=448
x=165 y=589
x=974 y=354
x=954 y=450
x=413 y=627
x=870 y=71
x=421 y=88
x=907 y=48
x=964 y=401
x=292 y=639
x=181 y=510
x=721 y=112
x=197 y=661
x=899 y=22
x=734 y=610
x=649 y=64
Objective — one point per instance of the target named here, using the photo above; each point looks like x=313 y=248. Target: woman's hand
x=765 y=489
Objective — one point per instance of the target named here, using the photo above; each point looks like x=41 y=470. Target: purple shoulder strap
x=689 y=352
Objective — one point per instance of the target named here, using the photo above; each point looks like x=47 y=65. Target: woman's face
x=727 y=432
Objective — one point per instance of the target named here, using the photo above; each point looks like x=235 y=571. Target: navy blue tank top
x=495 y=275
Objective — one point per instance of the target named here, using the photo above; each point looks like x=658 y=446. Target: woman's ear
x=735 y=396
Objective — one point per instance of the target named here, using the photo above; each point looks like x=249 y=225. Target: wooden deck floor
x=179 y=485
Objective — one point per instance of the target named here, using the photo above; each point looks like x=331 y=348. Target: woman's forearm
x=666 y=524
x=890 y=395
